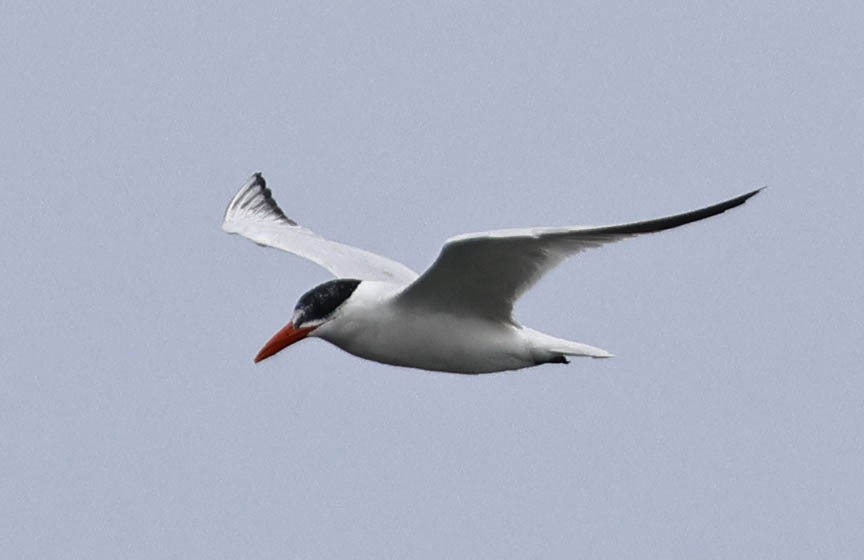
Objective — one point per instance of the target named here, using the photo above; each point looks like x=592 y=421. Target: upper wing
x=483 y=274
x=255 y=215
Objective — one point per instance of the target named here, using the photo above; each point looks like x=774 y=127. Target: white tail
x=556 y=346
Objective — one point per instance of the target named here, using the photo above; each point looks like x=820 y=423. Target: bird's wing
x=254 y=214
x=483 y=274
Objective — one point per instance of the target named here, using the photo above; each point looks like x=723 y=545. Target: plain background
x=133 y=423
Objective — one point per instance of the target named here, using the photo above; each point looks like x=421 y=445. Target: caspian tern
x=455 y=317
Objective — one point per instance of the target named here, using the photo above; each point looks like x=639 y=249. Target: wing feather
x=254 y=214
x=483 y=274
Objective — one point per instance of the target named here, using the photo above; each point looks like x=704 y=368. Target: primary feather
x=254 y=214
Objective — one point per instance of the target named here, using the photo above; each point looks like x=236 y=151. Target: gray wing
x=483 y=274
x=254 y=214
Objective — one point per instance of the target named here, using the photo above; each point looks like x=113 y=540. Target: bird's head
x=313 y=309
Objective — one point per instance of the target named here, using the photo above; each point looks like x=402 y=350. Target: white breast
x=372 y=326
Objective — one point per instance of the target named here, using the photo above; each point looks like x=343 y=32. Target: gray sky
x=133 y=423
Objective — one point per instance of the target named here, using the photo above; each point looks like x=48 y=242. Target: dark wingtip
x=739 y=200
x=259 y=184
x=669 y=222
x=754 y=193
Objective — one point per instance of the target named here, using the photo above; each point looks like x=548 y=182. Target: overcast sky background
x=133 y=423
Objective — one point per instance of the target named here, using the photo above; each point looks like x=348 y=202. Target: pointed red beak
x=283 y=339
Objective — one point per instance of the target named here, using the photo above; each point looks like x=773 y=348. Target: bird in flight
x=455 y=317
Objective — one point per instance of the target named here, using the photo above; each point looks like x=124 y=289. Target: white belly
x=429 y=341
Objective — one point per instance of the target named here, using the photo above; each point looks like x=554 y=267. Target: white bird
x=455 y=317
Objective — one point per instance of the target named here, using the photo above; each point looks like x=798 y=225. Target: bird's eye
x=298 y=318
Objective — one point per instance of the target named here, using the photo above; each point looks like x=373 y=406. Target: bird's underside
x=457 y=315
